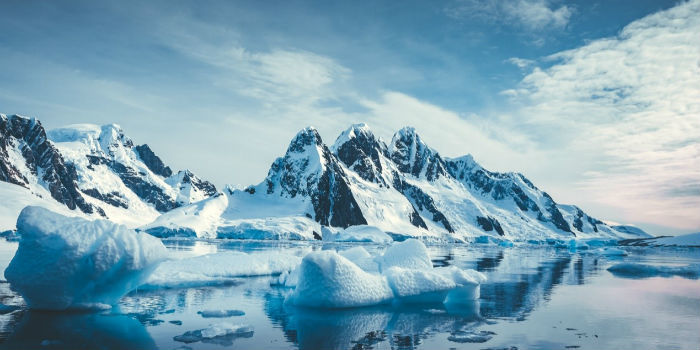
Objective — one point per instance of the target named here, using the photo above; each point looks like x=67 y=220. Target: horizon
x=540 y=91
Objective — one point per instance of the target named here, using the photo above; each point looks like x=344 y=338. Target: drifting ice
x=327 y=279
x=67 y=262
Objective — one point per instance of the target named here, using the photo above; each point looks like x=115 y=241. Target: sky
x=597 y=102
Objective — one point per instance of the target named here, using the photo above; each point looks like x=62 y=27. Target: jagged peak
x=355 y=131
x=304 y=138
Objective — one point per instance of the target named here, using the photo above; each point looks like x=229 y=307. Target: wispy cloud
x=633 y=100
x=533 y=15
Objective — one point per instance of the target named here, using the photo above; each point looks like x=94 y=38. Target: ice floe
x=218 y=269
x=69 y=262
x=221 y=333
x=220 y=313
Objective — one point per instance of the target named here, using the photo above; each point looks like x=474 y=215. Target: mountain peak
x=360 y=130
x=413 y=156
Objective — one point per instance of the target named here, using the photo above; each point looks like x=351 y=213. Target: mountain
x=405 y=188
x=96 y=170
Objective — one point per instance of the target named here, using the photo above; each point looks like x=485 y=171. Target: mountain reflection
x=519 y=281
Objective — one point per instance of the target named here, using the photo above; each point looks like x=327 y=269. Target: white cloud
x=521 y=63
x=532 y=15
x=632 y=102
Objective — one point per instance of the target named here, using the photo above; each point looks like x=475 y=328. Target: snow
x=218 y=269
x=409 y=254
x=360 y=257
x=64 y=262
x=359 y=233
x=328 y=280
x=638 y=270
x=15 y=198
x=689 y=240
x=236 y=214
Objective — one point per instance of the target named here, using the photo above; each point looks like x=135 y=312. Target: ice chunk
x=409 y=254
x=361 y=258
x=219 y=268
x=328 y=280
x=418 y=286
x=636 y=270
x=468 y=284
x=220 y=333
x=220 y=313
x=610 y=251
x=67 y=262
x=359 y=233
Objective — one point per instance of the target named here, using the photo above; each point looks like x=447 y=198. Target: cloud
x=533 y=15
x=631 y=103
x=521 y=63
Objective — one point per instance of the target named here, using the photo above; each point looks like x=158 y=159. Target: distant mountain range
x=405 y=188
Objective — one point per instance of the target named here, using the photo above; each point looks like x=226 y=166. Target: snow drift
x=64 y=262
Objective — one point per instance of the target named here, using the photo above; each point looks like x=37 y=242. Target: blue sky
x=595 y=101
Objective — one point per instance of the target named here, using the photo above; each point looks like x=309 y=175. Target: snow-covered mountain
x=404 y=188
x=96 y=170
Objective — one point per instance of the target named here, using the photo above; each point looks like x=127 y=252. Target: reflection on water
x=536 y=297
x=62 y=330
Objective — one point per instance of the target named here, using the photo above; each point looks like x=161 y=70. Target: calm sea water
x=536 y=298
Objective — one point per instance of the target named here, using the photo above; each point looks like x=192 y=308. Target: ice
x=610 y=251
x=468 y=284
x=220 y=313
x=220 y=333
x=328 y=280
x=358 y=233
x=64 y=262
x=361 y=258
x=418 y=286
x=409 y=254
x=219 y=268
x=637 y=270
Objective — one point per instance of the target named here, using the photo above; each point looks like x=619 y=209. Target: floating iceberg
x=67 y=262
x=327 y=279
x=409 y=254
x=358 y=233
x=218 y=269
x=636 y=270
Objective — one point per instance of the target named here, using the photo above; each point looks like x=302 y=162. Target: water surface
x=537 y=297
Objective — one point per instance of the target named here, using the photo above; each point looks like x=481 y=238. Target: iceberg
x=409 y=254
x=327 y=279
x=69 y=262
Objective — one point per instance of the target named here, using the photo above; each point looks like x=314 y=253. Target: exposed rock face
x=28 y=158
x=80 y=162
x=152 y=161
x=309 y=169
x=412 y=156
